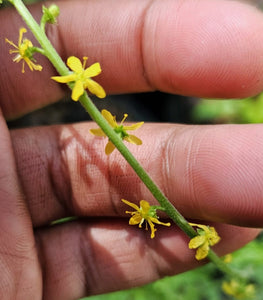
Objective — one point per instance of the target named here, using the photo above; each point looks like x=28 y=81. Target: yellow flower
x=25 y=51
x=228 y=258
x=144 y=213
x=239 y=290
x=82 y=78
x=207 y=236
x=119 y=129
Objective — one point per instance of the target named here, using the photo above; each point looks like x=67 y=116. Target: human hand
x=210 y=173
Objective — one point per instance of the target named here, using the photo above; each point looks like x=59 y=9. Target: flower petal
x=93 y=70
x=155 y=220
x=133 y=205
x=109 y=118
x=34 y=66
x=229 y=287
x=204 y=227
x=75 y=64
x=202 y=251
x=145 y=206
x=134 y=126
x=196 y=242
x=97 y=132
x=109 y=148
x=133 y=139
x=136 y=219
x=153 y=229
x=65 y=79
x=31 y=65
x=95 y=88
x=214 y=237
x=26 y=44
x=77 y=90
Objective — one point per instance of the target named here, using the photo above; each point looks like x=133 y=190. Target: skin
x=210 y=173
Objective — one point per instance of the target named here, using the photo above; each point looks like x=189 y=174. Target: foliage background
x=205 y=282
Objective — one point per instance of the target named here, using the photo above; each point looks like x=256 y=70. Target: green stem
x=95 y=114
x=144 y=176
x=224 y=267
x=43 y=23
x=39 y=50
x=55 y=59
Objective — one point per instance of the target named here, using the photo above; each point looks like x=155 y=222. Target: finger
x=99 y=256
x=208 y=172
x=20 y=271
x=201 y=48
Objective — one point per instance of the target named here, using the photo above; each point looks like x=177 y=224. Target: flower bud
x=51 y=13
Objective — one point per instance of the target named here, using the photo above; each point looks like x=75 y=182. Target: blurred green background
x=205 y=282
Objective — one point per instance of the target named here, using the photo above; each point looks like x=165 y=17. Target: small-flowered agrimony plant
x=146 y=213
x=121 y=130
x=79 y=79
x=239 y=289
x=24 y=51
x=207 y=237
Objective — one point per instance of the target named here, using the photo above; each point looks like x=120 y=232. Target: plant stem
x=95 y=114
x=224 y=267
x=144 y=176
x=55 y=59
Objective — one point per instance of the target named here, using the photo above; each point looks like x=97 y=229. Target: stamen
x=11 y=43
x=124 y=118
x=23 y=67
x=21 y=32
x=85 y=58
